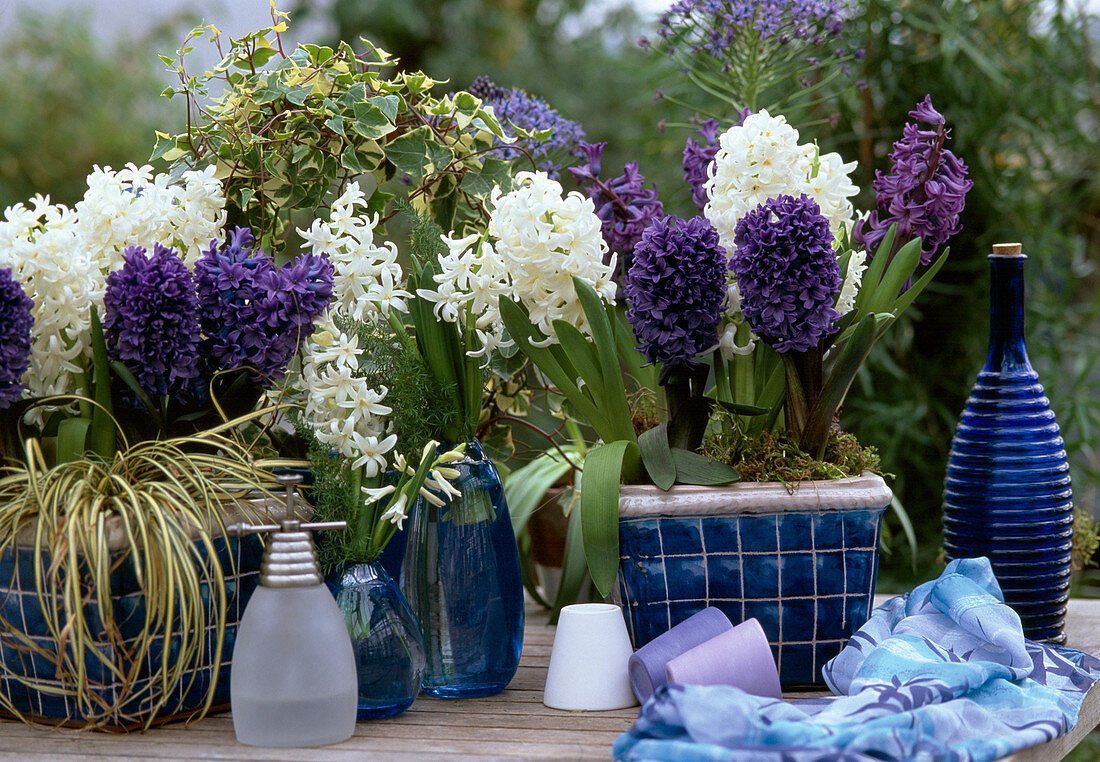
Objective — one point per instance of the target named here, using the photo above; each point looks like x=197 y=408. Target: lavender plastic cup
x=647 y=665
x=740 y=657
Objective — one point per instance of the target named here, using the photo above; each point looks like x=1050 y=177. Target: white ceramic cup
x=588 y=663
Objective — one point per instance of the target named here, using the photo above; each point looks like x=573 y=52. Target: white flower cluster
x=761 y=159
x=853 y=278
x=537 y=241
x=366 y=274
x=62 y=256
x=343 y=410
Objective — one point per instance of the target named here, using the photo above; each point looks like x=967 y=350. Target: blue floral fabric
x=941 y=674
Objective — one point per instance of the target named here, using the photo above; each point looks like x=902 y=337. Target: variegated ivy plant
x=287 y=132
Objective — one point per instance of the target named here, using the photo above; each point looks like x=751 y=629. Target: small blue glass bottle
x=461 y=576
x=1007 y=493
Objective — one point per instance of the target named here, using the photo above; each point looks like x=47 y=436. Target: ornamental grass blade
x=603 y=469
x=693 y=468
x=657 y=456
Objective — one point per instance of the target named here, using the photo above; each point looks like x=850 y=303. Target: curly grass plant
x=154 y=510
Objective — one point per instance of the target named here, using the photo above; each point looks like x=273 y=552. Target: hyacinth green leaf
x=603 y=470
x=583 y=355
x=657 y=456
x=529 y=575
x=873 y=275
x=573 y=565
x=431 y=335
x=693 y=468
x=919 y=285
x=839 y=378
x=519 y=325
x=899 y=271
x=71 y=436
x=131 y=381
x=101 y=436
x=614 y=392
x=525 y=487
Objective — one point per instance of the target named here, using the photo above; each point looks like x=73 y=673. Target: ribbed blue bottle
x=1007 y=493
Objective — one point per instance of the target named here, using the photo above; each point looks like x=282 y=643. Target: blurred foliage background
x=1018 y=82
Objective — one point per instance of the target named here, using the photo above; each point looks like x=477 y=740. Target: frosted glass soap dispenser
x=293 y=679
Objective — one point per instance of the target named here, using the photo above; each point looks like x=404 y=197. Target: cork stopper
x=1008 y=250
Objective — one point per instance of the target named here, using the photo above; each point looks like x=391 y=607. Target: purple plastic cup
x=740 y=657
x=647 y=665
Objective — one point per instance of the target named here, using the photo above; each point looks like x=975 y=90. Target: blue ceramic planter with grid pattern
x=803 y=564
x=48 y=698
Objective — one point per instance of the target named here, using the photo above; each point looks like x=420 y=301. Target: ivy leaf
x=409 y=152
x=493 y=172
x=371 y=122
x=387 y=104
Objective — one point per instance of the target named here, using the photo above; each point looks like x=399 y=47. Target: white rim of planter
x=850 y=494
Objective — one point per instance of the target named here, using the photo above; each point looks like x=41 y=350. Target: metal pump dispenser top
x=290 y=560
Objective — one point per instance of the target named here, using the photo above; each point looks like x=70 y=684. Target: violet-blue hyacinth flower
x=516 y=108
x=256 y=315
x=787 y=273
x=16 y=321
x=698 y=156
x=924 y=192
x=675 y=289
x=625 y=206
x=717 y=26
x=151 y=320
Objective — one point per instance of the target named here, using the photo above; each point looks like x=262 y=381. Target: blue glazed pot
x=240 y=560
x=1007 y=491
x=461 y=576
x=802 y=564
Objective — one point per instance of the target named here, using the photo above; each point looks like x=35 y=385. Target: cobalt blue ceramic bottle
x=1007 y=492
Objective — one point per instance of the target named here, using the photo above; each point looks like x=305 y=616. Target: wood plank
x=512 y=725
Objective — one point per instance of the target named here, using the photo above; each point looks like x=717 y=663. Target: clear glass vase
x=389 y=649
x=461 y=576
x=1007 y=491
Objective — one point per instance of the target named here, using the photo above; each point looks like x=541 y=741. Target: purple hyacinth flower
x=151 y=321
x=787 y=272
x=675 y=289
x=16 y=321
x=625 y=206
x=254 y=314
x=924 y=192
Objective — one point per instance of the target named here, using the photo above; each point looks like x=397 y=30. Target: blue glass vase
x=389 y=649
x=461 y=576
x=1007 y=492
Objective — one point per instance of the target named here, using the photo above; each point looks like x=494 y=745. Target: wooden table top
x=514 y=724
